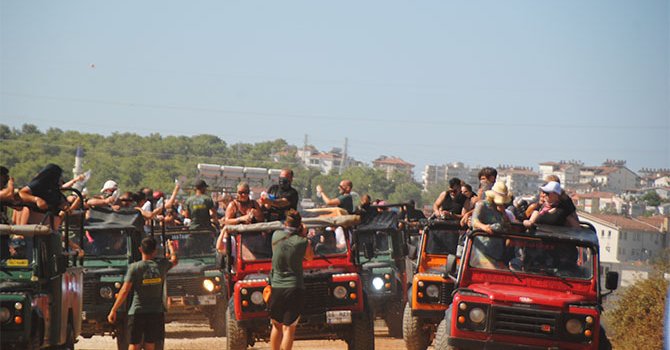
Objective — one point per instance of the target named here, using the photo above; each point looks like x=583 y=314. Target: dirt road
x=195 y=336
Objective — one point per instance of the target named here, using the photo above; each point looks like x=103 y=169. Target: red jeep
x=537 y=289
x=335 y=305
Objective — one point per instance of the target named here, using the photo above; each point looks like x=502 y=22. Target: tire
x=416 y=337
x=236 y=335
x=363 y=333
x=122 y=333
x=37 y=336
x=393 y=318
x=604 y=342
x=218 y=319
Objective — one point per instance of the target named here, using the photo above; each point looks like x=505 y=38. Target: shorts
x=148 y=327
x=286 y=304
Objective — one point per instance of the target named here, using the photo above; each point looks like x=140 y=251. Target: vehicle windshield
x=378 y=242
x=194 y=244
x=532 y=255
x=111 y=242
x=441 y=242
x=16 y=250
x=256 y=245
x=328 y=241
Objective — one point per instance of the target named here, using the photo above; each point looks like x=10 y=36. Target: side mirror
x=612 y=280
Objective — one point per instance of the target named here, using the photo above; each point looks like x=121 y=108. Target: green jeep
x=110 y=244
x=194 y=286
x=380 y=254
x=40 y=288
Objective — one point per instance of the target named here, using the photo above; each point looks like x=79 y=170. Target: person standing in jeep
x=199 y=208
x=280 y=197
x=343 y=201
x=145 y=279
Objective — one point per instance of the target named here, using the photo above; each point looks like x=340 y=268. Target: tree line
x=155 y=161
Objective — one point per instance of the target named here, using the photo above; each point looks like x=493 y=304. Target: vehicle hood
x=196 y=267
x=101 y=263
x=106 y=271
x=516 y=294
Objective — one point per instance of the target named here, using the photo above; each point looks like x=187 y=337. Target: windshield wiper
x=554 y=273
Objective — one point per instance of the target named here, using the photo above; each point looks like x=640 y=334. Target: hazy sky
x=482 y=82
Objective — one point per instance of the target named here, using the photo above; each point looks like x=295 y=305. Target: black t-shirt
x=558 y=215
x=453 y=205
x=290 y=194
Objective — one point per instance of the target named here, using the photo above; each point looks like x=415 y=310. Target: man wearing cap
x=110 y=193
x=200 y=208
x=554 y=211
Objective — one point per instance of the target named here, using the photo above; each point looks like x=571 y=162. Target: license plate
x=207 y=299
x=176 y=301
x=338 y=317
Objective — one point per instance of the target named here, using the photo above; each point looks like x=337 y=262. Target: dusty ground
x=195 y=336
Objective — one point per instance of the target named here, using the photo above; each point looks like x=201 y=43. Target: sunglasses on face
x=243 y=192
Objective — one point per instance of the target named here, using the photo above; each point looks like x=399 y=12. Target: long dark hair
x=46 y=185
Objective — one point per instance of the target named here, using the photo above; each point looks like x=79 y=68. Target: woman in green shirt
x=290 y=247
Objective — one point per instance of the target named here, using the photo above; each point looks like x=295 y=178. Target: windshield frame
x=587 y=269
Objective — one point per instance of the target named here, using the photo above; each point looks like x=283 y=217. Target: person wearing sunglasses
x=343 y=201
x=243 y=210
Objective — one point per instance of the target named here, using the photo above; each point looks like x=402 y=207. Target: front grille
x=445 y=293
x=317 y=295
x=91 y=291
x=179 y=285
x=524 y=322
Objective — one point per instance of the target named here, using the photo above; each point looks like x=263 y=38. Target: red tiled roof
x=626 y=223
x=391 y=161
x=595 y=195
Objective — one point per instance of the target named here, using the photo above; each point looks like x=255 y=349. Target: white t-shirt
x=340 y=240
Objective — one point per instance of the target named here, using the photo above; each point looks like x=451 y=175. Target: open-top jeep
x=430 y=292
x=335 y=303
x=380 y=253
x=194 y=287
x=537 y=289
x=40 y=288
x=110 y=244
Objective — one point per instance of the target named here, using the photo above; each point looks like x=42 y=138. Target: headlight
x=378 y=283
x=117 y=285
x=257 y=297
x=5 y=315
x=340 y=292
x=477 y=315
x=18 y=305
x=106 y=292
x=574 y=326
x=432 y=291
x=208 y=285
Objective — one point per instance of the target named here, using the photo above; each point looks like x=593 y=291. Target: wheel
x=37 y=335
x=604 y=342
x=363 y=333
x=416 y=337
x=393 y=318
x=122 y=333
x=218 y=319
x=236 y=335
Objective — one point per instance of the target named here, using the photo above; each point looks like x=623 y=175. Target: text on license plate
x=207 y=299
x=338 y=317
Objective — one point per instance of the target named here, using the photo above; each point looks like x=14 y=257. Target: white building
x=393 y=165
x=433 y=175
x=440 y=174
x=598 y=202
x=615 y=178
x=626 y=239
x=324 y=161
x=662 y=182
x=567 y=172
x=520 y=181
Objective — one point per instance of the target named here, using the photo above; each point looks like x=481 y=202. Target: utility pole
x=304 y=151
x=344 y=155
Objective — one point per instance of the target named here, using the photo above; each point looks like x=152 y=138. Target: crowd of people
x=490 y=208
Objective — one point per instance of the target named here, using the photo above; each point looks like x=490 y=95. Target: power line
x=323 y=117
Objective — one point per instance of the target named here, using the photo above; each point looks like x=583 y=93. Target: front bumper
x=490 y=344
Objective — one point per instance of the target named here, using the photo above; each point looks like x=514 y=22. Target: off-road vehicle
x=336 y=305
x=111 y=243
x=430 y=291
x=537 y=289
